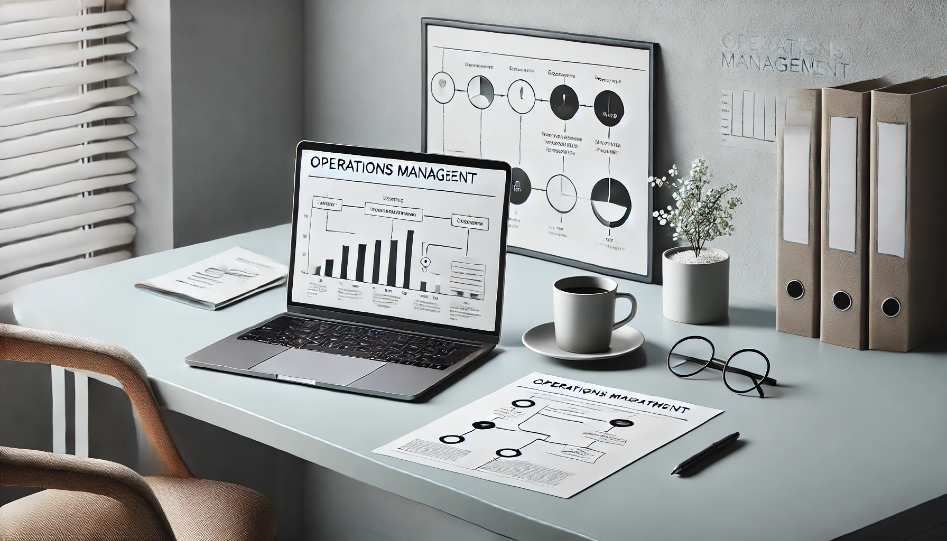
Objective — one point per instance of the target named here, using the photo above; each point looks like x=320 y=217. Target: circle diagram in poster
x=442 y=87
x=521 y=96
x=608 y=108
x=480 y=92
x=560 y=192
x=611 y=203
x=521 y=188
x=564 y=102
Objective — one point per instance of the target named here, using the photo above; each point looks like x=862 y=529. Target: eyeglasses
x=743 y=372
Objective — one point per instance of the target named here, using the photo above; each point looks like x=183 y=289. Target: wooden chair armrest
x=59 y=349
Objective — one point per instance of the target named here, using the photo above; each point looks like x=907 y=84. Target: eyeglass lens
x=745 y=371
x=690 y=356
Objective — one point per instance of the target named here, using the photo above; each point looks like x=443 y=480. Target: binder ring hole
x=891 y=307
x=842 y=301
x=795 y=289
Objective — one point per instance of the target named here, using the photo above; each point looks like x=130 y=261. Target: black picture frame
x=652 y=49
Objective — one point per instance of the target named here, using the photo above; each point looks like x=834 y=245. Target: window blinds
x=63 y=172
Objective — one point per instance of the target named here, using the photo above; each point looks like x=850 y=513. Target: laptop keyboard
x=357 y=341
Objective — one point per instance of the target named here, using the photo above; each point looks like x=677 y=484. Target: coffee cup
x=584 y=313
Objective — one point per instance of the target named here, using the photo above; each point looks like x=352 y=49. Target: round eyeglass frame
x=753 y=376
x=713 y=351
x=726 y=366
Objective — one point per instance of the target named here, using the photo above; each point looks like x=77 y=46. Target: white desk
x=851 y=437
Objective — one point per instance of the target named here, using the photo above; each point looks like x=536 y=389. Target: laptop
x=396 y=274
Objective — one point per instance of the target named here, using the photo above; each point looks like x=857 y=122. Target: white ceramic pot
x=696 y=292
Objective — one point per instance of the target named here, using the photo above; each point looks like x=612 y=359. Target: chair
x=89 y=499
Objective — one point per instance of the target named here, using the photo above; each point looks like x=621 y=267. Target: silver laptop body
x=396 y=274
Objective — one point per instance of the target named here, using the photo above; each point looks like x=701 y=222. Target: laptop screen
x=414 y=237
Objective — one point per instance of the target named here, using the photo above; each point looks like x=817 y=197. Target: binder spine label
x=796 y=148
x=843 y=216
x=892 y=188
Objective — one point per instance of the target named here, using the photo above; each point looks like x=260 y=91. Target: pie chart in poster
x=560 y=192
x=564 y=102
x=519 y=192
x=442 y=87
x=611 y=203
x=521 y=96
x=608 y=108
x=480 y=92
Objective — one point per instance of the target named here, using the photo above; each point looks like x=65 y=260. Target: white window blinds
x=63 y=172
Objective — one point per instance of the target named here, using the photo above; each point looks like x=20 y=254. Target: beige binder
x=907 y=257
x=799 y=192
x=846 y=114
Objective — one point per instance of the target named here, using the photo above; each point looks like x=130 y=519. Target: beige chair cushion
x=55 y=515
x=211 y=510
x=196 y=508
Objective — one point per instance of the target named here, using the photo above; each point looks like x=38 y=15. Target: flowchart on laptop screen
x=411 y=240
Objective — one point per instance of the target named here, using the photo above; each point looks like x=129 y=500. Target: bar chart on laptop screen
x=415 y=241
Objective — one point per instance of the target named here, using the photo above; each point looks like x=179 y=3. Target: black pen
x=716 y=446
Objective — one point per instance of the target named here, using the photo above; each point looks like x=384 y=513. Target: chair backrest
x=59 y=349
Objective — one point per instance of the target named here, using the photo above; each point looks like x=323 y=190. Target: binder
x=846 y=115
x=799 y=193
x=906 y=288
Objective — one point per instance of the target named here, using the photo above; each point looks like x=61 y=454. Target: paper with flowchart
x=549 y=434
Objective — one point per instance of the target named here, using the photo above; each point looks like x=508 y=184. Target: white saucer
x=542 y=340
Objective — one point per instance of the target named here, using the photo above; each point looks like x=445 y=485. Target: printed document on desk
x=218 y=281
x=549 y=434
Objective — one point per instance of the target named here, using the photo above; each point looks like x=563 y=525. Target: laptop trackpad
x=317 y=366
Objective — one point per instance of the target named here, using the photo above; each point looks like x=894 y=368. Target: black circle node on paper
x=621 y=423
x=451 y=439
x=519 y=191
x=484 y=425
x=611 y=202
x=480 y=92
x=891 y=307
x=523 y=403
x=608 y=108
x=795 y=289
x=842 y=301
x=564 y=102
x=508 y=453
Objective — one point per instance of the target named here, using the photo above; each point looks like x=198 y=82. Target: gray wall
x=237 y=75
x=363 y=72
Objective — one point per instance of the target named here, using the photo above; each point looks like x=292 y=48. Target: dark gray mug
x=584 y=313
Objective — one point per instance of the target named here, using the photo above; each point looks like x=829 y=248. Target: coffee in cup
x=584 y=313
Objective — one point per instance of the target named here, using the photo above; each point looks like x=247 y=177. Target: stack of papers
x=218 y=281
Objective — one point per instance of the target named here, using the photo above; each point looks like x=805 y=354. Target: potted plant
x=696 y=279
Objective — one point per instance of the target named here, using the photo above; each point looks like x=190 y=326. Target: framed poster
x=572 y=114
